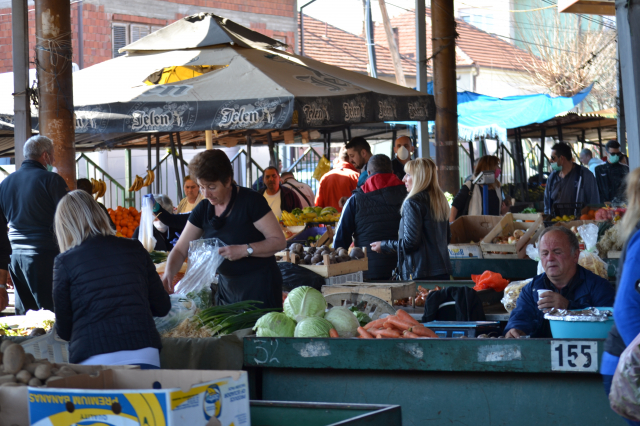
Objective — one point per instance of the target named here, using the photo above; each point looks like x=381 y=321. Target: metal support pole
x=21 y=104
x=344 y=135
x=394 y=136
x=371 y=50
x=600 y=142
x=175 y=167
x=622 y=120
x=148 y=160
x=422 y=142
x=560 y=139
x=273 y=161
x=302 y=27
x=55 y=87
x=158 y=171
x=472 y=157
x=248 y=163
x=181 y=158
x=130 y=197
x=543 y=135
x=80 y=35
x=348 y=133
x=444 y=89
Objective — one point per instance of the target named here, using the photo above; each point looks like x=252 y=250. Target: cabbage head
x=275 y=324
x=313 y=327
x=304 y=302
x=343 y=320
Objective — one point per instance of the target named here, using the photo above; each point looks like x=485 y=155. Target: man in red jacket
x=337 y=183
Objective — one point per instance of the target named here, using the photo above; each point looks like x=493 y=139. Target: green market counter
x=439 y=381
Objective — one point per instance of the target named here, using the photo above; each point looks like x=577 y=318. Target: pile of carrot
x=398 y=326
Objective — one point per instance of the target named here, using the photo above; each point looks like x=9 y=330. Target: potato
x=7 y=378
x=29 y=358
x=23 y=376
x=66 y=371
x=35 y=382
x=5 y=344
x=357 y=253
x=31 y=367
x=9 y=384
x=13 y=359
x=43 y=371
x=52 y=378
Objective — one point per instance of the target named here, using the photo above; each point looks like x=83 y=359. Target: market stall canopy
x=209 y=80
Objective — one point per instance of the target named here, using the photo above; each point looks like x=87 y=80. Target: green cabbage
x=275 y=324
x=313 y=327
x=343 y=320
x=304 y=302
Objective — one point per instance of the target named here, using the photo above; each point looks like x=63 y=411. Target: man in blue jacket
x=571 y=285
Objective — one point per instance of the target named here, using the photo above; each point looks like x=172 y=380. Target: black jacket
x=422 y=242
x=106 y=292
x=373 y=215
x=398 y=168
x=611 y=181
x=288 y=199
x=28 y=201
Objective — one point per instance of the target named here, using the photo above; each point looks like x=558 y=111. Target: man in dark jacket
x=373 y=214
x=612 y=174
x=569 y=183
x=279 y=197
x=403 y=148
x=570 y=286
x=28 y=201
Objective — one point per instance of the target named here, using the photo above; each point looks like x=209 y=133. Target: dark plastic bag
x=296 y=276
x=624 y=397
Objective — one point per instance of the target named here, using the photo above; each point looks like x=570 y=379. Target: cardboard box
x=136 y=397
x=467 y=229
x=530 y=223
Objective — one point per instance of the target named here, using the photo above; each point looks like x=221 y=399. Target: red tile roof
x=473 y=46
x=331 y=45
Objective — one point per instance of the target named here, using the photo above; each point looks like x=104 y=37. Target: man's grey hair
x=379 y=163
x=573 y=239
x=586 y=153
x=35 y=146
x=165 y=202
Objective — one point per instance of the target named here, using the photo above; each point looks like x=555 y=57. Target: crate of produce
x=466 y=233
x=326 y=261
x=356 y=277
x=385 y=291
x=509 y=238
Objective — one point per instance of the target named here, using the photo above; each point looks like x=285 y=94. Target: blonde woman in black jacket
x=106 y=290
x=424 y=232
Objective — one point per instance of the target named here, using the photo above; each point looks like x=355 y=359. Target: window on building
x=139 y=31
x=119 y=38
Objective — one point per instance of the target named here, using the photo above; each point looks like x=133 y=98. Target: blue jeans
x=606 y=381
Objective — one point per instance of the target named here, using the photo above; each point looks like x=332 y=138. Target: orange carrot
x=409 y=335
x=423 y=331
x=399 y=323
x=364 y=334
x=378 y=337
x=375 y=324
x=393 y=334
x=333 y=333
x=406 y=317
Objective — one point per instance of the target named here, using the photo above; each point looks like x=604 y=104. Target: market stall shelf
x=439 y=381
x=517 y=230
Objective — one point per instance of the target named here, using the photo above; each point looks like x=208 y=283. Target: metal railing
x=115 y=195
x=239 y=165
x=304 y=166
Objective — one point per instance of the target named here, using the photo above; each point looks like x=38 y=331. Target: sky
x=350 y=15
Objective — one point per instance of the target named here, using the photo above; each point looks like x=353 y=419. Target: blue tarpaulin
x=480 y=115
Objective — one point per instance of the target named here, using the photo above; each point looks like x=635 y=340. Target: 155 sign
x=574 y=355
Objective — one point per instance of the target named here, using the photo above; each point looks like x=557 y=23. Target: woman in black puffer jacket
x=106 y=290
x=424 y=228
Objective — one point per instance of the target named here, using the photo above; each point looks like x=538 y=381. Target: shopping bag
x=323 y=167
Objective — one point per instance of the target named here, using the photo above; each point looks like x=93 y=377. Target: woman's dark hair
x=563 y=150
x=211 y=165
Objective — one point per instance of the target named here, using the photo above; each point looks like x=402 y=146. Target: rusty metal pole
x=444 y=89
x=55 y=88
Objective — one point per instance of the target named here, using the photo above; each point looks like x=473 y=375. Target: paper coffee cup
x=541 y=292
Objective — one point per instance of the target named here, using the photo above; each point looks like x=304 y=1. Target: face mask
x=49 y=166
x=555 y=167
x=498 y=171
x=614 y=158
x=160 y=226
x=403 y=153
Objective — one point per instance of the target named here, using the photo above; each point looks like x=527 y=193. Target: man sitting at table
x=571 y=285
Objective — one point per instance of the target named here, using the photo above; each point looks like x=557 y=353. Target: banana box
x=143 y=397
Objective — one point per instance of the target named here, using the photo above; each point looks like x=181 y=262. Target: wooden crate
x=509 y=223
x=327 y=270
x=385 y=291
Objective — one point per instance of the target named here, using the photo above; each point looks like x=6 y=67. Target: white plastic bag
x=181 y=309
x=145 y=231
x=534 y=254
x=512 y=292
x=589 y=258
x=204 y=261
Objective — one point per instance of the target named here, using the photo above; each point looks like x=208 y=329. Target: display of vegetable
x=400 y=325
x=529 y=210
x=363 y=318
x=275 y=324
x=158 y=256
x=226 y=319
x=313 y=327
x=304 y=302
x=343 y=320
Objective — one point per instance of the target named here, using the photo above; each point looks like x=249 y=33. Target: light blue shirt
x=593 y=163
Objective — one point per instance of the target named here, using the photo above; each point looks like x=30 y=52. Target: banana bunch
x=140 y=183
x=290 y=220
x=98 y=188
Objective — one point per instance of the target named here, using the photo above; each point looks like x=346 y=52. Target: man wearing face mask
x=403 y=148
x=28 y=201
x=163 y=234
x=568 y=182
x=611 y=175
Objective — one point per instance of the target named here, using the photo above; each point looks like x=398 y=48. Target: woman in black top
x=240 y=218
